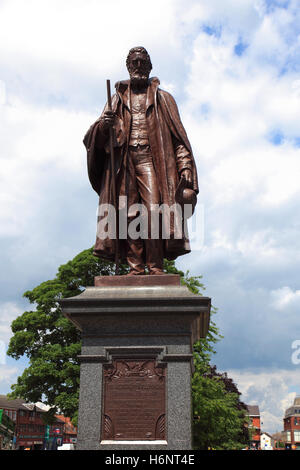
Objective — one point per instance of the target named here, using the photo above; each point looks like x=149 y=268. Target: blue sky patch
x=205 y=109
x=297 y=141
x=271 y=5
x=240 y=48
x=212 y=30
x=276 y=137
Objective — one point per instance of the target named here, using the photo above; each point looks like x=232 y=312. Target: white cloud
x=2 y=93
x=238 y=16
x=9 y=311
x=36 y=142
x=285 y=298
x=8 y=376
x=169 y=86
x=270 y=390
x=246 y=103
x=90 y=37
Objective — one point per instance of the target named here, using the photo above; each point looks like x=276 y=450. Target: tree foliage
x=52 y=344
x=49 y=340
x=220 y=421
x=220 y=418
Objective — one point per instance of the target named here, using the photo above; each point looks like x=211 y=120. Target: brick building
x=30 y=428
x=69 y=431
x=254 y=425
x=291 y=425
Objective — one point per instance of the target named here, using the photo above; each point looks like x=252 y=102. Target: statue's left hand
x=187 y=174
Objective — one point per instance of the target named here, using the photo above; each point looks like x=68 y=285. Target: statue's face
x=139 y=66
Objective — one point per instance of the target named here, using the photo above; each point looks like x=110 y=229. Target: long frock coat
x=164 y=127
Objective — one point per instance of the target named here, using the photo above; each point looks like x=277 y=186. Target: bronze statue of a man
x=153 y=157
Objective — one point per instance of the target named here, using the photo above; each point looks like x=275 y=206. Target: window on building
x=297 y=436
x=23 y=428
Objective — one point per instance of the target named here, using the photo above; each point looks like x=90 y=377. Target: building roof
x=253 y=410
x=266 y=434
x=294 y=409
x=68 y=425
x=18 y=404
x=11 y=404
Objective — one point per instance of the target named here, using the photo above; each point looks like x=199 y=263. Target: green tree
x=50 y=341
x=220 y=418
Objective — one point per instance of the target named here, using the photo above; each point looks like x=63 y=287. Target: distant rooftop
x=294 y=409
x=18 y=404
x=253 y=410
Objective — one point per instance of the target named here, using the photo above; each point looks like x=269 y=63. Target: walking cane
x=114 y=193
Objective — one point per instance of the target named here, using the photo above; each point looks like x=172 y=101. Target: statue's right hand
x=108 y=119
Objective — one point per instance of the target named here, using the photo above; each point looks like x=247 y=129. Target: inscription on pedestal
x=134 y=400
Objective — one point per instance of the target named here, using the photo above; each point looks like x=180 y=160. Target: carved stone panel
x=134 y=400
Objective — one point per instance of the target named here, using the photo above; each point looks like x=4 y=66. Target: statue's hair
x=141 y=50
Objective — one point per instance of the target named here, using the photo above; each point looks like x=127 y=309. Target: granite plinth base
x=136 y=361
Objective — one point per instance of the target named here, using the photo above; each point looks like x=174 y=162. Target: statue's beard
x=139 y=80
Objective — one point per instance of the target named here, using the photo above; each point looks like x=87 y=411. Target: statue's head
x=138 y=65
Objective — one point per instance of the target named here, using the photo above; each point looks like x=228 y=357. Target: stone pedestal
x=136 y=361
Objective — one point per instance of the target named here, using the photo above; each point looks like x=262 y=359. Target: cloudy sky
x=233 y=67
